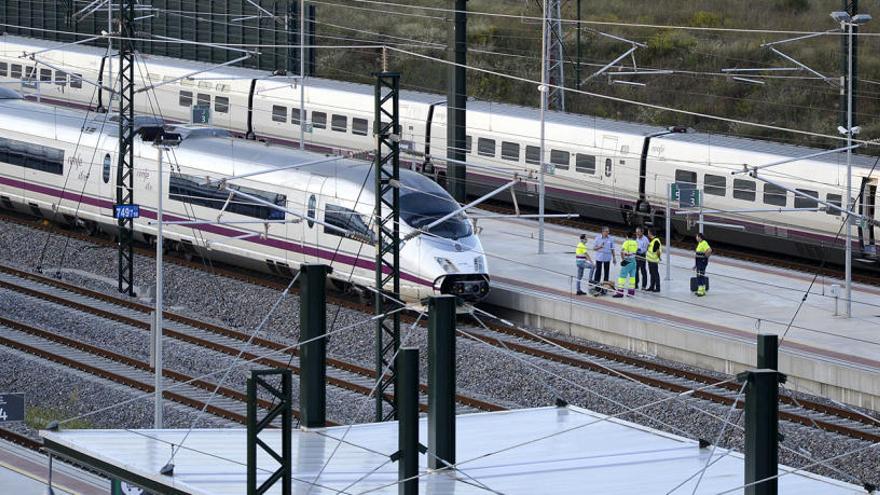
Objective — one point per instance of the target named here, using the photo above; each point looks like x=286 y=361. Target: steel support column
x=456 y=103
x=282 y=409
x=441 y=381
x=851 y=7
x=125 y=164
x=768 y=351
x=555 y=55
x=386 y=218
x=408 y=425
x=313 y=354
x=761 y=430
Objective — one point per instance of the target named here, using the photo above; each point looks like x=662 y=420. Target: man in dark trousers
x=701 y=258
x=641 y=269
x=653 y=257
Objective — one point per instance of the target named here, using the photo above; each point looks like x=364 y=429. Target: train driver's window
x=836 y=200
x=715 y=185
x=802 y=202
x=319 y=120
x=339 y=123
x=313 y=204
x=351 y=222
x=486 y=147
x=533 y=155
x=562 y=159
x=359 y=127
x=585 y=164
x=186 y=99
x=509 y=151
x=774 y=195
x=608 y=167
x=744 y=189
x=279 y=113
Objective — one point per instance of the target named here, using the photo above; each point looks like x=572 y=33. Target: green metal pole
x=768 y=351
x=762 y=432
x=286 y=433
x=441 y=381
x=408 y=420
x=251 y=436
x=313 y=354
x=577 y=66
x=456 y=103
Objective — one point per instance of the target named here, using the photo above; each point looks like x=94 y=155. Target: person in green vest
x=653 y=256
x=702 y=254
x=626 y=279
x=582 y=262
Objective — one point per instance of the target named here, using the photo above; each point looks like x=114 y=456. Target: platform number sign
x=11 y=407
x=201 y=114
x=686 y=195
x=126 y=211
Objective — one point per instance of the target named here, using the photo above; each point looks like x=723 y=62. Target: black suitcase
x=695 y=282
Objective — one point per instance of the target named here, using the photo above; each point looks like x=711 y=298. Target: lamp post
x=543 y=90
x=847 y=23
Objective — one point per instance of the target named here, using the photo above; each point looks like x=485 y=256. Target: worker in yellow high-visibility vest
x=653 y=256
x=626 y=280
x=582 y=261
x=702 y=254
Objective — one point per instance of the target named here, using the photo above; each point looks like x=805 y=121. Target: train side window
x=76 y=81
x=221 y=104
x=509 y=151
x=313 y=206
x=562 y=159
x=295 y=118
x=45 y=75
x=279 y=113
x=105 y=172
x=533 y=155
x=774 y=195
x=359 y=127
x=319 y=120
x=4 y=68
x=348 y=220
x=585 y=164
x=15 y=71
x=686 y=177
x=716 y=185
x=802 y=202
x=61 y=78
x=486 y=147
x=203 y=100
x=199 y=191
x=469 y=144
x=185 y=99
x=339 y=123
x=744 y=189
x=32 y=156
x=609 y=166
x=836 y=200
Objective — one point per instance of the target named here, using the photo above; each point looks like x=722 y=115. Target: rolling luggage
x=695 y=282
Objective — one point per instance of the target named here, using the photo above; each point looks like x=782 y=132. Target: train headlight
x=479 y=264
x=446 y=265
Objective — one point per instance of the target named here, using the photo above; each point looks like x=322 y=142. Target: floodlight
x=841 y=16
x=861 y=19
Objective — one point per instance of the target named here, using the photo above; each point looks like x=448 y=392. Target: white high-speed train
x=603 y=169
x=61 y=164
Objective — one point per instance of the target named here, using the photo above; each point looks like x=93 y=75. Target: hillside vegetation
x=511 y=45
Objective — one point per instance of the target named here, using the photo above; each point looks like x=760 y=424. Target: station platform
x=823 y=354
x=25 y=472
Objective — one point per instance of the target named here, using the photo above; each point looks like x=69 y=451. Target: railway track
x=802 y=411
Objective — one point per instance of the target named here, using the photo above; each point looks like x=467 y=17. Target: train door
x=607 y=163
x=311 y=231
x=867 y=208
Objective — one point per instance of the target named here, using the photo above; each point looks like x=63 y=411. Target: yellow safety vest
x=702 y=247
x=580 y=252
x=654 y=250
x=629 y=248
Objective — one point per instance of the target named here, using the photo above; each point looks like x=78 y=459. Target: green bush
x=702 y=18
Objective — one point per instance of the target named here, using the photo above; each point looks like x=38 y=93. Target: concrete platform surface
x=25 y=472
x=745 y=299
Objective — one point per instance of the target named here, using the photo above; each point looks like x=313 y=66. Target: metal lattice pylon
x=387 y=221
x=555 y=55
x=125 y=164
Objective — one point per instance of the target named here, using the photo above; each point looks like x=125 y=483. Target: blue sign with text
x=126 y=211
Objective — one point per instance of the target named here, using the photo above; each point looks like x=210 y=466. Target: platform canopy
x=528 y=451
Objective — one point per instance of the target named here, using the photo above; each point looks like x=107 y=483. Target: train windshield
x=423 y=202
